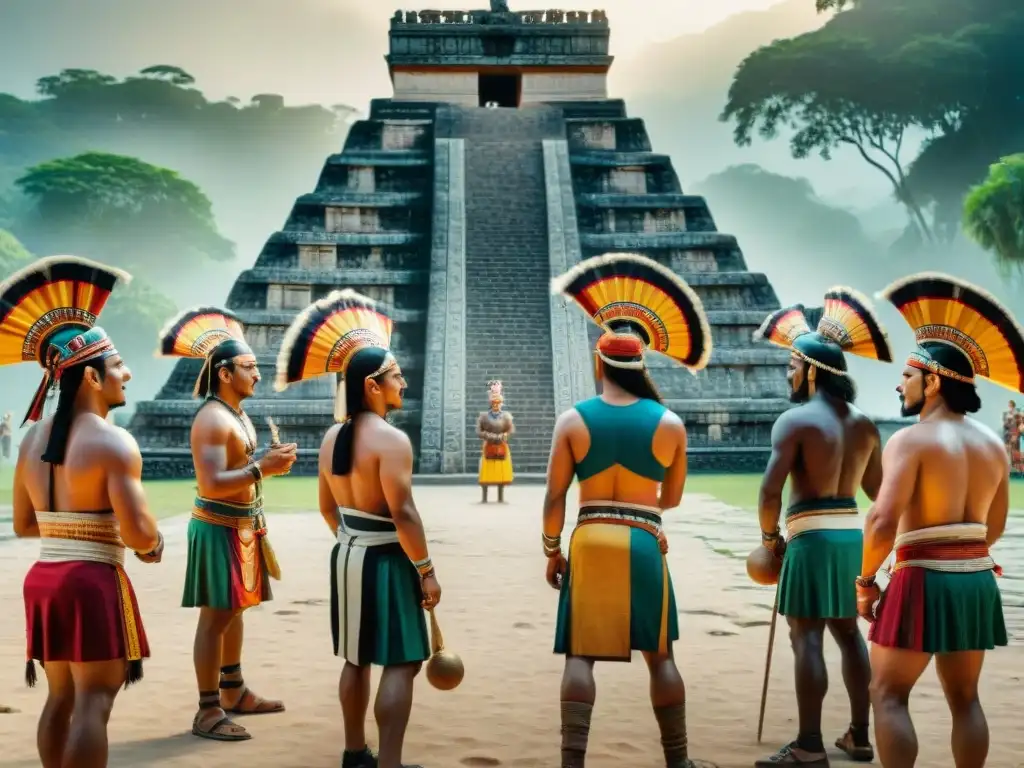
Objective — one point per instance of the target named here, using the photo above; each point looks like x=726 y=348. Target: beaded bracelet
x=774 y=536
x=552 y=545
x=424 y=566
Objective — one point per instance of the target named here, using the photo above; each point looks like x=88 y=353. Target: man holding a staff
x=827 y=449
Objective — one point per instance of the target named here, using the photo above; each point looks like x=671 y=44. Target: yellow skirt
x=496 y=471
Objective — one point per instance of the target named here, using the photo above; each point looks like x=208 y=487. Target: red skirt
x=82 y=612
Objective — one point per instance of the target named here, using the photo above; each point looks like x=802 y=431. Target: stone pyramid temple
x=498 y=162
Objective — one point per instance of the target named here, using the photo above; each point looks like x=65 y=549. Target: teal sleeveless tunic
x=617 y=594
x=621 y=435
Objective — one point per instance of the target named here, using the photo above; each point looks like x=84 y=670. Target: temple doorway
x=500 y=90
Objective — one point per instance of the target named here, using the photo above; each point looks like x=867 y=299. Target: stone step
x=508 y=322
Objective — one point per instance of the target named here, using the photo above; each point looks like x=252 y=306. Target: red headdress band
x=620 y=345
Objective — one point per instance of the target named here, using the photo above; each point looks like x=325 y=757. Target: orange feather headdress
x=327 y=335
x=848 y=324
x=946 y=310
x=48 y=313
x=642 y=305
x=200 y=333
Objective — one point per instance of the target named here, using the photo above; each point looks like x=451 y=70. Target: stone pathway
x=733 y=533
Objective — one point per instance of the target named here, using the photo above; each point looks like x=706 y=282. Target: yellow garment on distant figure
x=496 y=471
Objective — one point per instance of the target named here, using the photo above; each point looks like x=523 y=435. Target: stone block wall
x=629 y=200
x=366 y=226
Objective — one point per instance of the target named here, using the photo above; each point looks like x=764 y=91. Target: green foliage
x=111 y=205
x=251 y=158
x=994 y=211
x=881 y=71
x=175 y=75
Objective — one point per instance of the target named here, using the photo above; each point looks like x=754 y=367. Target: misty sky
x=327 y=43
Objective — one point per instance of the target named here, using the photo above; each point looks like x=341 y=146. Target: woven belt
x=946 y=556
x=67 y=537
x=634 y=518
x=256 y=522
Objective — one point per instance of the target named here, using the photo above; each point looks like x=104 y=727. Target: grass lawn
x=293 y=494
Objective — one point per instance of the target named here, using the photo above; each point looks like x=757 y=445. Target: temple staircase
x=508 y=323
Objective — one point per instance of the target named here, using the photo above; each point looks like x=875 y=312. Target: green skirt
x=818 y=575
x=225 y=569
x=617 y=595
x=939 y=612
x=376 y=600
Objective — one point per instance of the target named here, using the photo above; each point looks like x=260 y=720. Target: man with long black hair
x=943 y=503
x=827 y=449
x=628 y=452
x=78 y=488
x=230 y=561
x=381 y=572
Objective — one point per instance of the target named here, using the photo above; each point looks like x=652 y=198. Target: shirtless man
x=76 y=462
x=227 y=525
x=628 y=452
x=381 y=573
x=827 y=449
x=943 y=504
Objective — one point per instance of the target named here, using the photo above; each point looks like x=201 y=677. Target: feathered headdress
x=495 y=391
x=642 y=305
x=950 y=311
x=198 y=333
x=48 y=313
x=848 y=324
x=327 y=335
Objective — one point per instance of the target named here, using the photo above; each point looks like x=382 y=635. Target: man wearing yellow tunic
x=943 y=504
x=494 y=427
x=628 y=452
x=78 y=488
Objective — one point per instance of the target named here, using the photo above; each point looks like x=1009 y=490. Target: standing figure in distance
x=1011 y=434
x=943 y=504
x=494 y=427
x=628 y=452
x=6 y=436
x=78 y=488
x=828 y=449
x=229 y=556
x=381 y=573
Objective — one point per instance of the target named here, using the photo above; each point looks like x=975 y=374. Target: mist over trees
x=884 y=71
x=251 y=158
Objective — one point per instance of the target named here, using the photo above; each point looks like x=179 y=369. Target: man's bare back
x=375 y=445
x=101 y=471
x=839 y=449
x=959 y=465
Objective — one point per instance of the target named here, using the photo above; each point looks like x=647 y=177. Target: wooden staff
x=768 y=665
